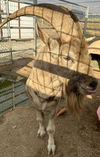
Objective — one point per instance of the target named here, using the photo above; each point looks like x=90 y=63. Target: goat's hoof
x=51 y=149
x=41 y=132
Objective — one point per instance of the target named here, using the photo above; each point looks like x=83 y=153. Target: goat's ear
x=43 y=36
x=52 y=43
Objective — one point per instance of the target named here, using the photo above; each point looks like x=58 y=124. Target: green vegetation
x=5 y=84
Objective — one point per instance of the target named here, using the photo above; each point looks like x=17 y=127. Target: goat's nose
x=93 y=84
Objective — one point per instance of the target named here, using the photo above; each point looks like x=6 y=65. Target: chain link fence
x=5 y=35
x=13 y=93
x=21 y=29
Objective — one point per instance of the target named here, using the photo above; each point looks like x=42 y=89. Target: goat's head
x=77 y=59
x=74 y=56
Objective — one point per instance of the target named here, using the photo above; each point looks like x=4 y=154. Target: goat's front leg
x=51 y=130
x=39 y=116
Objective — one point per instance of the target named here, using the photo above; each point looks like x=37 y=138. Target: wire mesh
x=57 y=60
x=18 y=29
x=5 y=47
x=21 y=28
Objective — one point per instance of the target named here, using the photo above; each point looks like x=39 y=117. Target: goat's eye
x=68 y=58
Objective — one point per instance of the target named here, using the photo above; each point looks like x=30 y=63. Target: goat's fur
x=62 y=68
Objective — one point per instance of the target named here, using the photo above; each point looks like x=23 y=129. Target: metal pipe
x=8 y=30
x=14 y=27
x=35 y=27
x=16 y=1
x=86 y=19
x=13 y=95
x=1 y=32
x=73 y=3
x=19 y=20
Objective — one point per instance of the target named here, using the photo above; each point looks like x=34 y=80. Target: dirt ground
x=75 y=136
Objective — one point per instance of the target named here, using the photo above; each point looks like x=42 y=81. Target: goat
x=61 y=68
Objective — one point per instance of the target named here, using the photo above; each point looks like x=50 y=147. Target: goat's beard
x=74 y=101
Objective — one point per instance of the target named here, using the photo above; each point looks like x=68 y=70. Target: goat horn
x=64 y=21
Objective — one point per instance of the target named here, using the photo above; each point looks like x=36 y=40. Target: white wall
x=24 y=22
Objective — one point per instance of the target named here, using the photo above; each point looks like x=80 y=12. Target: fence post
x=8 y=29
x=35 y=33
x=1 y=32
x=86 y=19
x=13 y=95
x=19 y=20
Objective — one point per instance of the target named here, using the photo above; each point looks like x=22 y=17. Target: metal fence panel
x=11 y=97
